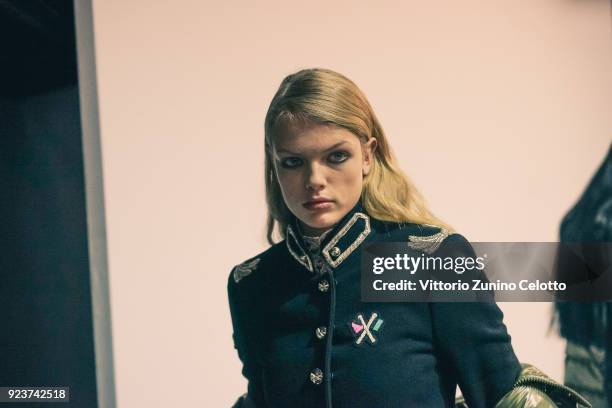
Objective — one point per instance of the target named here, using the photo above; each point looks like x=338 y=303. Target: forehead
x=313 y=137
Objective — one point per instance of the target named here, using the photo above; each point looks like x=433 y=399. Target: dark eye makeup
x=337 y=157
x=290 y=162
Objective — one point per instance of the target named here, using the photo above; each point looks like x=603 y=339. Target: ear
x=368 y=149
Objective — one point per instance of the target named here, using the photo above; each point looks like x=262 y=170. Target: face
x=320 y=169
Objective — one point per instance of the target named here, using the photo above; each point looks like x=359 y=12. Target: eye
x=339 y=156
x=290 y=162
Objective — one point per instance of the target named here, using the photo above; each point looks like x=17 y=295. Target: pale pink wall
x=499 y=110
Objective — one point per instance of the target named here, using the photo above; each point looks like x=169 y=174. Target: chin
x=326 y=220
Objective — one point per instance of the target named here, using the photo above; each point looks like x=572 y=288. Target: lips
x=318 y=204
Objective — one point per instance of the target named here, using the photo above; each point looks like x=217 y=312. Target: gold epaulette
x=534 y=389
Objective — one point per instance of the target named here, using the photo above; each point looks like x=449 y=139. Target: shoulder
x=248 y=270
x=421 y=237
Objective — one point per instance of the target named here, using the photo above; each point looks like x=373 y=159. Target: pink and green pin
x=362 y=331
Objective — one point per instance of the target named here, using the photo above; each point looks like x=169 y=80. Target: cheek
x=288 y=183
x=352 y=177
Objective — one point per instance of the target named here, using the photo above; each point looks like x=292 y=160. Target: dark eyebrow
x=326 y=150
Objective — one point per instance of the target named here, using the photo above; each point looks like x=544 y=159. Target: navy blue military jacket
x=306 y=339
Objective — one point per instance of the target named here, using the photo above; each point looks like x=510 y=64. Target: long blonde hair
x=323 y=96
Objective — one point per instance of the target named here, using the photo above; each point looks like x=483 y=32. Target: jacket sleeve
x=472 y=341
x=243 y=338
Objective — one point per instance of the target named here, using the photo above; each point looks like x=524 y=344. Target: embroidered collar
x=337 y=244
x=313 y=244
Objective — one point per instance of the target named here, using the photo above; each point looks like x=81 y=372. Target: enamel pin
x=366 y=331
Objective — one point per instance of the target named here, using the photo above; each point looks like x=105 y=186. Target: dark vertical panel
x=46 y=331
x=46 y=336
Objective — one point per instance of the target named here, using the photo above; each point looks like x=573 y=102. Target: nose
x=315 y=179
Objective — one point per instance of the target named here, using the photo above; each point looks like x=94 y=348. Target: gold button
x=316 y=376
x=335 y=251
x=321 y=332
x=323 y=286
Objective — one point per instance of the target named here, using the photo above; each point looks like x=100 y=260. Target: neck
x=314 y=232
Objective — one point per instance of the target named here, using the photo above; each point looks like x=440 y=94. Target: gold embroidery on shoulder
x=244 y=269
x=428 y=243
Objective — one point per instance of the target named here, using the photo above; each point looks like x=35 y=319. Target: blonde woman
x=303 y=334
